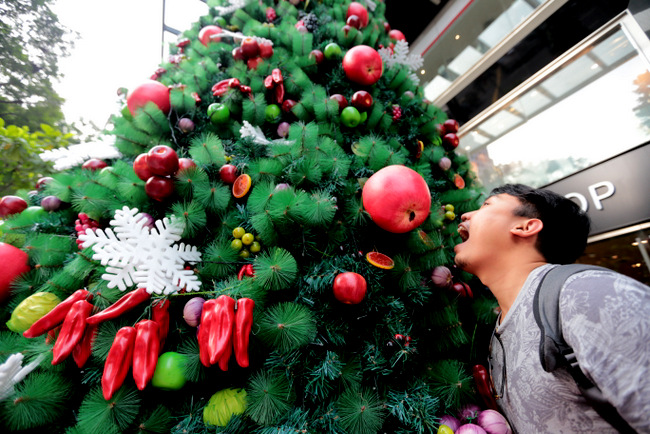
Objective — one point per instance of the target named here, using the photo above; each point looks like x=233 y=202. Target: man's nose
x=466 y=216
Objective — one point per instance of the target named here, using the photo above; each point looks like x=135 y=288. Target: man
x=509 y=244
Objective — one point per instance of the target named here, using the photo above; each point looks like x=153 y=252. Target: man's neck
x=505 y=285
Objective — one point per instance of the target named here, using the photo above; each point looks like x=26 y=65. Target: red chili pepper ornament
x=83 y=349
x=220 y=334
x=56 y=316
x=124 y=304
x=241 y=333
x=207 y=318
x=160 y=315
x=72 y=331
x=118 y=362
x=145 y=352
x=482 y=379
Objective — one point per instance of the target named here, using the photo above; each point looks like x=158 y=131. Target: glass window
x=628 y=254
x=482 y=26
x=590 y=107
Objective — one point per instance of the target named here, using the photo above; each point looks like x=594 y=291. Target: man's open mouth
x=463 y=232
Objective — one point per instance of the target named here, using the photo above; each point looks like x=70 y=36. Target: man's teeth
x=464 y=234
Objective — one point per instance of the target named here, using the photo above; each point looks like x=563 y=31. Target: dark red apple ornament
x=350 y=288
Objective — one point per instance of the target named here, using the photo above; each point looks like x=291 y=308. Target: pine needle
x=158 y=421
x=192 y=215
x=36 y=402
x=287 y=326
x=207 y=150
x=275 y=270
x=215 y=196
x=96 y=415
x=219 y=260
x=415 y=408
x=451 y=383
x=361 y=412
x=269 y=397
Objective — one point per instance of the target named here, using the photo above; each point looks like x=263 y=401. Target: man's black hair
x=566 y=227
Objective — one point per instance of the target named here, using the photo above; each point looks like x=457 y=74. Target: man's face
x=486 y=232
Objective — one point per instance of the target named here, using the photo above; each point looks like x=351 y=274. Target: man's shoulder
x=601 y=280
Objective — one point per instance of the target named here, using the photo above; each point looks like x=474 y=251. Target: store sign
x=614 y=193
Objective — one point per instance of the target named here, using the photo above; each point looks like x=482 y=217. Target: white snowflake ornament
x=148 y=257
x=399 y=55
x=12 y=372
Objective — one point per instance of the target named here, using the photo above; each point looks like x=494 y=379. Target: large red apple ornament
x=362 y=65
x=153 y=91
x=397 y=198
x=350 y=288
x=14 y=263
x=360 y=11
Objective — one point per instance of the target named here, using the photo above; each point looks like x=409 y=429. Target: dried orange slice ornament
x=380 y=260
x=241 y=185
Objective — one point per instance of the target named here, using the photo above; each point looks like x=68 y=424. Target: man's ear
x=527 y=228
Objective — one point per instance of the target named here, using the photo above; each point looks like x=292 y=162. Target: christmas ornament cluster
x=273 y=250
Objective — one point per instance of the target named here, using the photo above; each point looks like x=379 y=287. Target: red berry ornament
x=397 y=113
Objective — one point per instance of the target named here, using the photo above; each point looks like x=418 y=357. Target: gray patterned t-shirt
x=606 y=319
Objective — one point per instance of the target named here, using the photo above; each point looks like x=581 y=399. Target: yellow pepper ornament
x=31 y=310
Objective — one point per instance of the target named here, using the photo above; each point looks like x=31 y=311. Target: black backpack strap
x=555 y=353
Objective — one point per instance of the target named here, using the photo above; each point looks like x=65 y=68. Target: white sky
x=119 y=46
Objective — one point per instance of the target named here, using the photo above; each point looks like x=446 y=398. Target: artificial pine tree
x=278 y=133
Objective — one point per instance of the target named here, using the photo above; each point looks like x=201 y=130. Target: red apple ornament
x=205 y=34
x=12 y=205
x=14 y=263
x=362 y=100
x=362 y=65
x=162 y=160
x=153 y=91
x=397 y=198
x=396 y=35
x=185 y=163
x=141 y=168
x=228 y=173
x=94 y=164
x=350 y=288
x=159 y=188
x=360 y=11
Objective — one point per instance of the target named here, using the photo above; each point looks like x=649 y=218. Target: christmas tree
x=272 y=252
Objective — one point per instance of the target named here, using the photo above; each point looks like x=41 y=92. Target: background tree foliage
x=31 y=42
x=19 y=148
